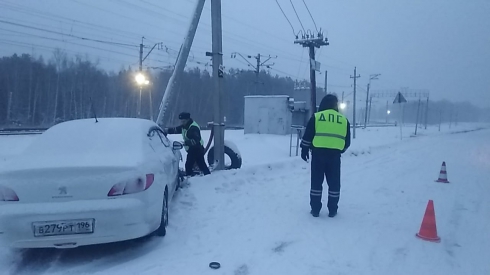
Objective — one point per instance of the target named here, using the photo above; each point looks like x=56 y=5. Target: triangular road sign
x=399 y=98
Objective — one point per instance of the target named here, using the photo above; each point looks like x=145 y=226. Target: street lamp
x=343 y=106
x=388 y=112
x=366 y=116
x=141 y=80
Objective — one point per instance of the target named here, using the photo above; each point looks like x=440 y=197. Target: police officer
x=327 y=135
x=193 y=143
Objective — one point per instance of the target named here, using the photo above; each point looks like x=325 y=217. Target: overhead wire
x=294 y=32
x=69 y=35
x=238 y=40
x=70 y=42
x=310 y=15
x=301 y=23
x=57 y=18
x=50 y=49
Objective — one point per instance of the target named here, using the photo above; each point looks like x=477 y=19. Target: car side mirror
x=177 y=146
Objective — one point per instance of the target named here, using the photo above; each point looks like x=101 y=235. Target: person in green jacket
x=193 y=143
x=327 y=136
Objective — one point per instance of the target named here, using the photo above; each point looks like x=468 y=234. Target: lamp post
x=141 y=80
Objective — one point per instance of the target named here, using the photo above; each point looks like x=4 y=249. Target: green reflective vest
x=184 y=134
x=330 y=130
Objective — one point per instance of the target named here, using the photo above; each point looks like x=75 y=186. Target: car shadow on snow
x=89 y=259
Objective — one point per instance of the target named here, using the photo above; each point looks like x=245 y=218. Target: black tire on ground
x=162 y=230
x=236 y=160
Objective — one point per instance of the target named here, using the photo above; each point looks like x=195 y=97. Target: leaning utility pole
x=181 y=61
x=310 y=42
x=256 y=67
x=371 y=77
x=354 y=118
x=217 y=55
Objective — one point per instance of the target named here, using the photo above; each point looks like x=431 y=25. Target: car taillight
x=131 y=187
x=7 y=194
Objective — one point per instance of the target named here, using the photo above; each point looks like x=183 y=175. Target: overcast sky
x=442 y=46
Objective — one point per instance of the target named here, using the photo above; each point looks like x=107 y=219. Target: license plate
x=55 y=228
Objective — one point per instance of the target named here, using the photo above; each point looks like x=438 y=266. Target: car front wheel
x=162 y=230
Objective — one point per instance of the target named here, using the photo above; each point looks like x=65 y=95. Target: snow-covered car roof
x=109 y=142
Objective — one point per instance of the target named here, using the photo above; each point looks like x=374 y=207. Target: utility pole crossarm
x=311 y=42
x=249 y=63
x=255 y=67
x=263 y=63
x=150 y=51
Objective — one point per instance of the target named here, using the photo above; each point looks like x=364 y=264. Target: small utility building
x=267 y=114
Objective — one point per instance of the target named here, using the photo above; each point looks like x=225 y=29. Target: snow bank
x=255 y=220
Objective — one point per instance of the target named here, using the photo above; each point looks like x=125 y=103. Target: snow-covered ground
x=256 y=220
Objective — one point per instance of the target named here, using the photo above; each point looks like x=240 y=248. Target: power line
x=269 y=34
x=239 y=40
x=69 y=35
x=50 y=16
x=47 y=48
x=69 y=42
x=260 y=63
x=286 y=55
x=301 y=23
x=294 y=32
x=310 y=15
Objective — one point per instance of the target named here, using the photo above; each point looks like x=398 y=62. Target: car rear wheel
x=162 y=230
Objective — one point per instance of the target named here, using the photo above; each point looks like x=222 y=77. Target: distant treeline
x=36 y=92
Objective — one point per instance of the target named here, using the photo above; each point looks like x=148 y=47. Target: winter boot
x=314 y=214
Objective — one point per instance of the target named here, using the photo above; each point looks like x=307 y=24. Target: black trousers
x=195 y=155
x=325 y=166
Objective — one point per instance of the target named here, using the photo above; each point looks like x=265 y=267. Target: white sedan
x=84 y=182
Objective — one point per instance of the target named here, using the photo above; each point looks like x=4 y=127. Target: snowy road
x=256 y=220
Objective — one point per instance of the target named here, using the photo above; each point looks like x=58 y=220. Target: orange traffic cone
x=428 y=228
x=443 y=174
